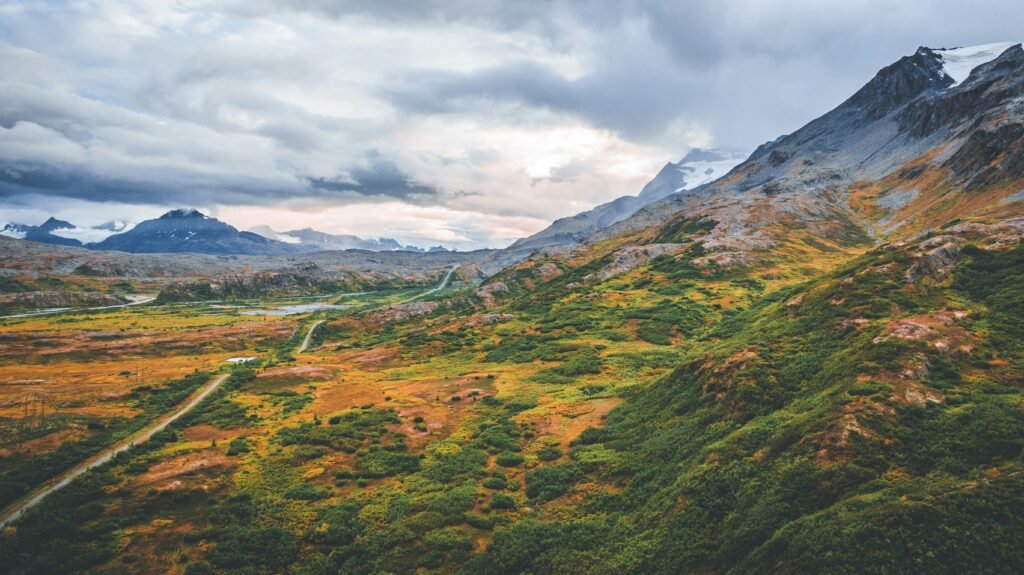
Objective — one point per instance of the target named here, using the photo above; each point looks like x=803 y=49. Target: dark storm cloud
x=380 y=177
x=751 y=70
x=168 y=189
x=637 y=102
x=257 y=102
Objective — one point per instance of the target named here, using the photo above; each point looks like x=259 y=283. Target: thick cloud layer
x=468 y=122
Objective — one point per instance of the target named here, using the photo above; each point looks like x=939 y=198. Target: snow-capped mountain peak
x=13 y=230
x=701 y=167
x=697 y=168
x=183 y=213
x=957 y=63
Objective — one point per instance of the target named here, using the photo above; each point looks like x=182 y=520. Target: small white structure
x=246 y=359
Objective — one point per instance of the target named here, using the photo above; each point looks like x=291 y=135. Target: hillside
x=811 y=365
x=36 y=275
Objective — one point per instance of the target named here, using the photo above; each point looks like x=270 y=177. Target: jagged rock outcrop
x=403 y=311
x=940 y=253
x=635 y=256
x=55 y=299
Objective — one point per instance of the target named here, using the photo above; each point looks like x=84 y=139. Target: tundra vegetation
x=671 y=418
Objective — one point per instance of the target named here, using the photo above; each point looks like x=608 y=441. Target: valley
x=808 y=361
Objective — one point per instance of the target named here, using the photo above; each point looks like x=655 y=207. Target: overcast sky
x=468 y=123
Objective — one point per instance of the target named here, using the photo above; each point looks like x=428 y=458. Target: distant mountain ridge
x=180 y=231
x=697 y=168
x=189 y=230
x=60 y=232
x=315 y=240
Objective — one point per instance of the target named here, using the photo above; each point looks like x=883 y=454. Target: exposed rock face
x=53 y=299
x=492 y=318
x=635 y=256
x=906 y=329
x=935 y=261
x=998 y=235
x=403 y=311
x=549 y=270
x=724 y=259
x=899 y=83
x=486 y=293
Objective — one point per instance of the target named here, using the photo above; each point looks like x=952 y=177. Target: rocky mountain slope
x=913 y=149
x=846 y=308
x=697 y=168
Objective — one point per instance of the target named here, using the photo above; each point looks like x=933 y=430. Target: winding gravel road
x=72 y=309
x=309 y=336
x=141 y=436
x=439 y=287
x=145 y=434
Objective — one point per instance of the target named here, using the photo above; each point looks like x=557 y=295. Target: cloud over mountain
x=506 y=113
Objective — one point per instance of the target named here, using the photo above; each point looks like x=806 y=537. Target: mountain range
x=809 y=360
x=314 y=240
x=924 y=143
x=191 y=231
x=931 y=138
x=181 y=231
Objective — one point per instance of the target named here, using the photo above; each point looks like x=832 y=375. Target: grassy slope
x=804 y=428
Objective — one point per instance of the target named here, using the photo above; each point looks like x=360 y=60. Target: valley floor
x=659 y=420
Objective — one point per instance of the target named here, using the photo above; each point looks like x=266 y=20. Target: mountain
x=180 y=231
x=60 y=232
x=813 y=364
x=697 y=168
x=14 y=230
x=190 y=231
x=309 y=239
x=922 y=144
x=843 y=310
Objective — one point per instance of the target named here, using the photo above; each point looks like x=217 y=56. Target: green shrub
x=549 y=482
x=549 y=453
x=307 y=492
x=508 y=459
x=502 y=501
x=238 y=446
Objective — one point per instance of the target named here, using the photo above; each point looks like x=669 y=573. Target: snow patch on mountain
x=698 y=173
x=957 y=63
x=84 y=235
x=16 y=231
x=288 y=239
